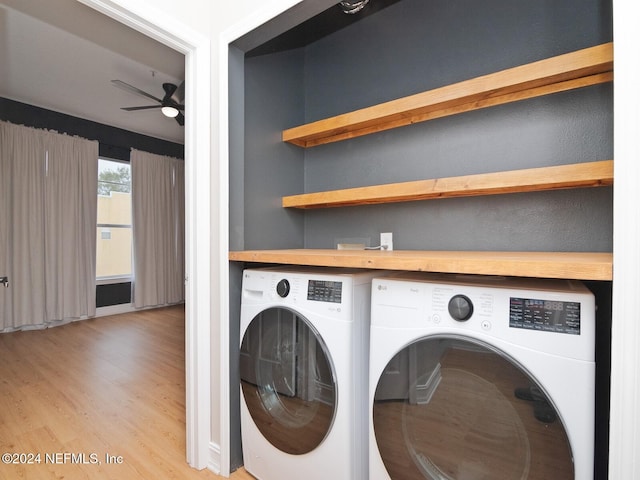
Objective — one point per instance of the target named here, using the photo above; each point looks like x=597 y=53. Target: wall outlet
x=386 y=241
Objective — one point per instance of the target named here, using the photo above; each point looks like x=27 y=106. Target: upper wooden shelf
x=589 y=174
x=570 y=265
x=581 y=68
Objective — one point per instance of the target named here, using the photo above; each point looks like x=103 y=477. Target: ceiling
x=62 y=55
x=325 y=22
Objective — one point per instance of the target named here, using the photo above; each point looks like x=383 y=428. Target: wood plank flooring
x=108 y=386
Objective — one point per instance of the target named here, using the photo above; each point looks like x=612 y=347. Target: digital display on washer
x=324 y=291
x=545 y=315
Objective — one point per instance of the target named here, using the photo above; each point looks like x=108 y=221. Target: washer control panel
x=324 y=291
x=544 y=315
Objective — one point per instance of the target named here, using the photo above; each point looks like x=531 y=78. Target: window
x=114 y=234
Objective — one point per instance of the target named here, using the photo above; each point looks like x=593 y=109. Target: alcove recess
x=582 y=68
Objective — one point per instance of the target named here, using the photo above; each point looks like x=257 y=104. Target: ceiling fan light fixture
x=171 y=104
x=170 y=112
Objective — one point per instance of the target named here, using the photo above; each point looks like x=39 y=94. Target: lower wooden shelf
x=579 y=175
x=569 y=265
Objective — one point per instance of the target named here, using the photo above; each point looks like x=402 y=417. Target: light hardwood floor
x=108 y=386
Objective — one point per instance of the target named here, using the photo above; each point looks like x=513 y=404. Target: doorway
x=196 y=50
x=197 y=146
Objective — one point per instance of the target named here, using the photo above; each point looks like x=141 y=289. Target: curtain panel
x=48 y=190
x=157 y=193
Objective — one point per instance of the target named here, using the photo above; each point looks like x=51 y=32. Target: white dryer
x=481 y=378
x=303 y=368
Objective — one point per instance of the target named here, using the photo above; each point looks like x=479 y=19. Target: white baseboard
x=125 y=308
x=214 y=458
x=114 y=310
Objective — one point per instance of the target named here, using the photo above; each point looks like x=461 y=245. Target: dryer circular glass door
x=456 y=408
x=288 y=380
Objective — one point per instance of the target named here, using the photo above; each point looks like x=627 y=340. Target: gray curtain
x=157 y=193
x=48 y=190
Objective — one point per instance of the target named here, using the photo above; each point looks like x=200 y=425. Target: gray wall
x=413 y=46
x=274 y=93
x=417 y=45
x=236 y=242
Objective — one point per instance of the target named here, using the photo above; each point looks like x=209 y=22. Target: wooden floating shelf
x=581 y=68
x=570 y=265
x=589 y=174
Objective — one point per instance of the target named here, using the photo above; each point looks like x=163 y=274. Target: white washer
x=303 y=368
x=481 y=378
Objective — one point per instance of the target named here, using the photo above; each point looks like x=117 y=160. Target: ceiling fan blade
x=180 y=119
x=169 y=89
x=132 y=109
x=134 y=90
x=178 y=95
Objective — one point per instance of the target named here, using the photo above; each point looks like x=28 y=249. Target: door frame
x=196 y=48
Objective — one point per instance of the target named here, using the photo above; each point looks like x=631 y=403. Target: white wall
x=624 y=455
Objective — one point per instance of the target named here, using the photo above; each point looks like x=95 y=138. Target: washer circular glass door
x=288 y=380
x=450 y=408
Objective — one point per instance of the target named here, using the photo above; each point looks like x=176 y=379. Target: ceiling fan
x=171 y=104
